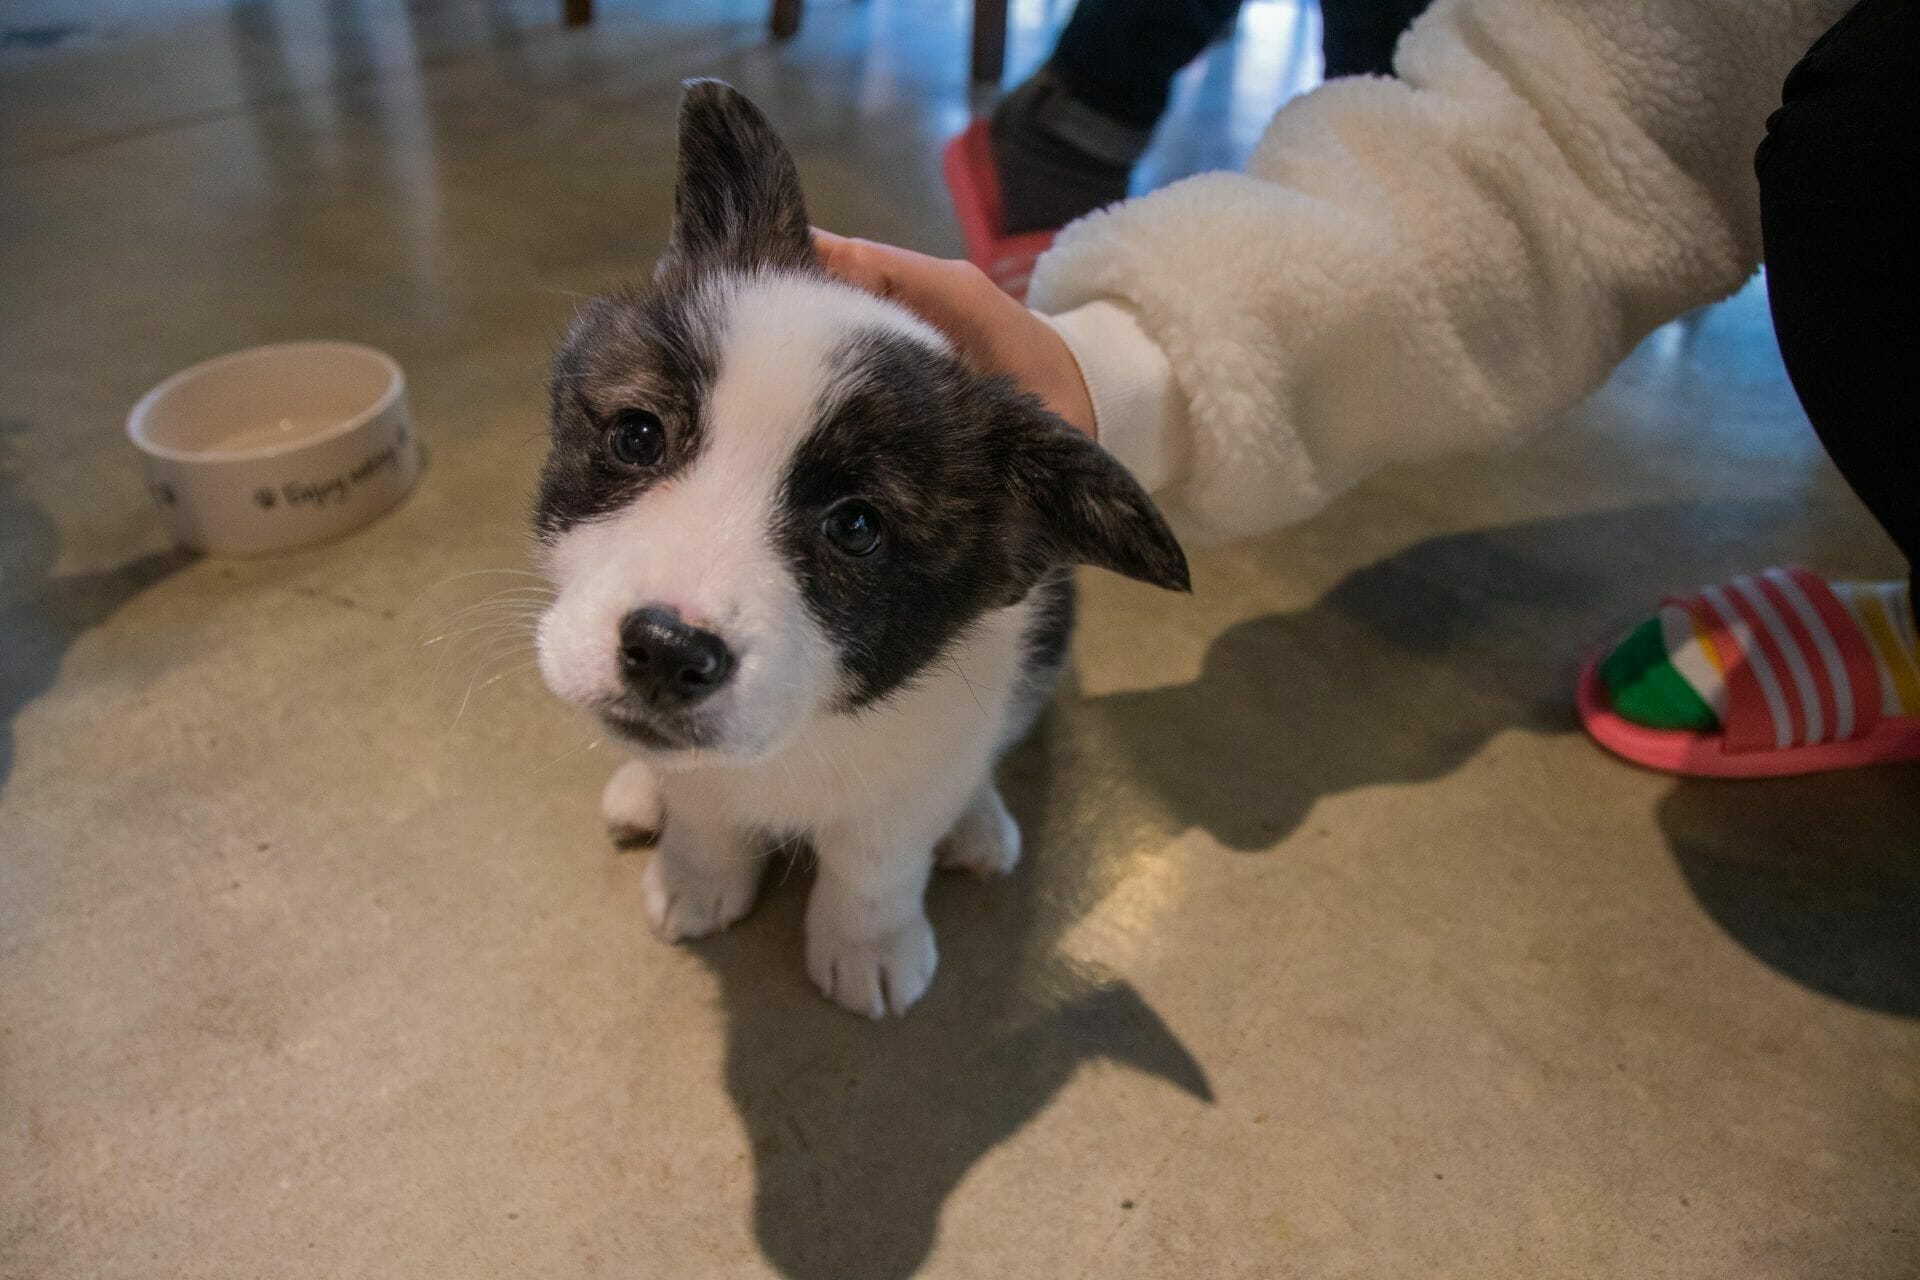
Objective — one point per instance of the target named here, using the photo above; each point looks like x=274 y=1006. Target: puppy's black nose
x=669 y=662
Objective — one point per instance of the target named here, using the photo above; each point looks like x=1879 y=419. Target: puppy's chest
x=925 y=748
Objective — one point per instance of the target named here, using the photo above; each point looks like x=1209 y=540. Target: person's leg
x=1119 y=57
x=1066 y=140
x=1839 y=210
x=1357 y=37
x=1839 y=175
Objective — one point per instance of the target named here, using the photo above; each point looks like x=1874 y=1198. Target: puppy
x=810 y=567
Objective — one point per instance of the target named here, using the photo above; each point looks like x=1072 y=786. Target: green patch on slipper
x=1643 y=686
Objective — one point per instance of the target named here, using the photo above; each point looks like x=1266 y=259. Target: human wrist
x=1136 y=405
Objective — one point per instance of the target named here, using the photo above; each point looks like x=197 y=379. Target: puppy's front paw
x=631 y=805
x=683 y=904
x=874 y=976
x=986 y=839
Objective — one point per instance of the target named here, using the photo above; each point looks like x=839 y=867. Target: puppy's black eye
x=638 y=438
x=853 y=527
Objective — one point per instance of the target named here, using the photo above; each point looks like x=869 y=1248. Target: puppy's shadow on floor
x=861 y=1130
x=1402 y=673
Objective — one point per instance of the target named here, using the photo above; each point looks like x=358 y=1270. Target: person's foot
x=1766 y=676
x=1668 y=674
x=1057 y=158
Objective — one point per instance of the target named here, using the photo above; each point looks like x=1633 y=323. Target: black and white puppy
x=811 y=567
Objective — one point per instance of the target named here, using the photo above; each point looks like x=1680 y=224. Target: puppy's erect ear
x=737 y=202
x=1078 y=505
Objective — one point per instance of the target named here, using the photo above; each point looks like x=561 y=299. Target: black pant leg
x=1120 y=56
x=1357 y=36
x=1840 y=212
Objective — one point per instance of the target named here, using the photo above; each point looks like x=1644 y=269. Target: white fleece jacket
x=1419 y=266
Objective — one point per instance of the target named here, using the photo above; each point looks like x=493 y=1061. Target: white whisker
x=589 y=745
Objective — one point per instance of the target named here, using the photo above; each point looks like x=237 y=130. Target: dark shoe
x=1057 y=158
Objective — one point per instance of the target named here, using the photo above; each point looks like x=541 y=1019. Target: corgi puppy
x=814 y=570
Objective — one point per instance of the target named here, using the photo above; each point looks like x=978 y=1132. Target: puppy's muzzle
x=669 y=663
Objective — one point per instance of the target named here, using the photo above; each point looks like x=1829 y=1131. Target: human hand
x=992 y=332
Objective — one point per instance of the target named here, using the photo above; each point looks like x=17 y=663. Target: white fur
x=631 y=802
x=873 y=791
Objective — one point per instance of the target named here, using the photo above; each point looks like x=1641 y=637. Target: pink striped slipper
x=975 y=187
x=1803 y=688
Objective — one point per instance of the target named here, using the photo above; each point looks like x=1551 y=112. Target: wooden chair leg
x=989 y=39
x=784 y=21
x=577 y=13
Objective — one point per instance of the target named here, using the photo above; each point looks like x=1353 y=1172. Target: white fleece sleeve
x=1419 y=266
x=1138 y=413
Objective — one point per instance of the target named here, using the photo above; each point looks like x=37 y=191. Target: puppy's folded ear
x=1078 y=505
x=737 y=201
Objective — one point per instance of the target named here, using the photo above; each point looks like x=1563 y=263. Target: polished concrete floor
x=1339 y=951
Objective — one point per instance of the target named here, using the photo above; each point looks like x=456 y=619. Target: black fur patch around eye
x=655 y=350
x=908 y=438
x=982 y=496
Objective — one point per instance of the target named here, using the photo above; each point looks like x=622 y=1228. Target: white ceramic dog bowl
x=276 y=447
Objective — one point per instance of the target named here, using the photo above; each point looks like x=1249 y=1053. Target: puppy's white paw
x=683 y=904
x=986 y=839
x=631 y=805
x=875 y=976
